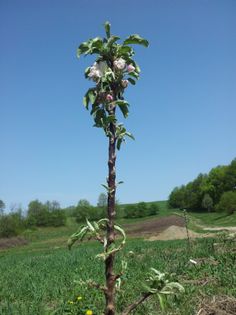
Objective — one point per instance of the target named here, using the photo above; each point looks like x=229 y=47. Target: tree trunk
x=109 y=263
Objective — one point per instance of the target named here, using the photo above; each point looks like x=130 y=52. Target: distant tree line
x=47 y=214
x=215 y=191
x=85 y=210
x=38 y=215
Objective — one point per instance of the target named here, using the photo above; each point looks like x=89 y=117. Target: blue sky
x=182 y=110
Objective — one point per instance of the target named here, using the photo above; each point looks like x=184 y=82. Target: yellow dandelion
x=89 y=312
x=79 y=298
x=70 y=302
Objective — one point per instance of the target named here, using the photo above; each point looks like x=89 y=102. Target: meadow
x=44 y=278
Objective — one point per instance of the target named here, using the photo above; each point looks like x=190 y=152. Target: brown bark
x=109 y=262
x=132 y=306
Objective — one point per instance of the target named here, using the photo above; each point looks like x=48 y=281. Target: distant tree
x=217 y=179
x=2 y=207
x=207 y=202
x=193 y=194
x=82 y=210
x=176 y=198
x=230 y=176
x=38 y=214
x=69 y=211
x=84 y=203
x=227 y=202
x=52 y=205
x=102 y=200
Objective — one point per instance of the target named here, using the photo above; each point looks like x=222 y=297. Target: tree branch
x=132 y=306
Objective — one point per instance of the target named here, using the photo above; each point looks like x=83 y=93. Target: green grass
x=215 y=218
x=39 y=278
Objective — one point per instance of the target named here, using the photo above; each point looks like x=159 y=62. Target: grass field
x=41 y=277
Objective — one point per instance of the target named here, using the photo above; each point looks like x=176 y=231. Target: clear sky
x=183 y=112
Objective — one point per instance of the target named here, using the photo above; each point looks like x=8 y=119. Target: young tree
x=207 y=202
x=112 y=72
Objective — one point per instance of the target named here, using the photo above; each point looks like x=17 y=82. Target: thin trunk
x=109 y=263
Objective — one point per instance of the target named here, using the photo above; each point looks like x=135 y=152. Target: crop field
x=45 y=278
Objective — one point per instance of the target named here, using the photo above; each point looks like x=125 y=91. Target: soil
x=177 y=233
x=166 y=228
x=12 y=242
x=153 y=227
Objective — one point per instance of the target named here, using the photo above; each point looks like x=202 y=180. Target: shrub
x=152 y=209
x=57 y=218
x=11 y=224
x=130 y=211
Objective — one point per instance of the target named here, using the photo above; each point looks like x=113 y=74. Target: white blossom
x=119 y=64
x=97 y=70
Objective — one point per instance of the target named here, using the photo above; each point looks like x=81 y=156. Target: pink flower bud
x=130 y=68
x=109 y=98
x=124 y=83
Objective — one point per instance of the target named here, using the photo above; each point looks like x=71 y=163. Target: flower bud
x=124 y=83
x=109 y=98
x=130 y=68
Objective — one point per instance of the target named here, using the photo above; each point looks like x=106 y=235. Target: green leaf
x=138 y=70
x=132 y=81
x=105 y=186
x=86 y=72
x=112 y=40
x=123 y=105
x=99 y=116
x=96 y=43
x=91 y=96
x=119 y=141
x=83 y=49
x=136 y=39
x=162 y=303
x=125 y=50
x=107 y=26
x=128 y=134
x=90 y=225
x=134 y=75
x=86 y=101
x=110 y=119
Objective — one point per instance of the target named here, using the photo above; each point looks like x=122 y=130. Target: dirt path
x=220 y=228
